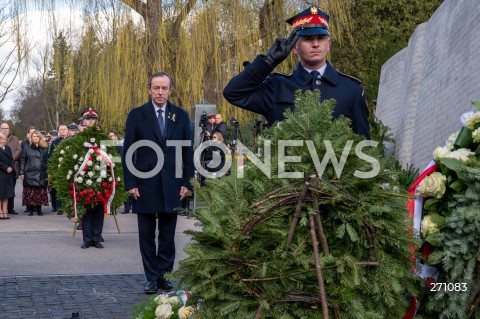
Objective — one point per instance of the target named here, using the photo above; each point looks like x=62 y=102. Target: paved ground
x=45 y=274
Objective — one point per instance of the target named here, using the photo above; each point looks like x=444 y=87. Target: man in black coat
x=62 y=134
x=258 y=90
x=220 y=125
x=157 y=164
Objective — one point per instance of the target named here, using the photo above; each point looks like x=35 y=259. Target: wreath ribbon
x=93 y=149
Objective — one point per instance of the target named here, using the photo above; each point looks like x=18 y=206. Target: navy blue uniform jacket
x=254 y=90
x=160 y=193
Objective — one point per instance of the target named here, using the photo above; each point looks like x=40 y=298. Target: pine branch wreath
x=239 y=265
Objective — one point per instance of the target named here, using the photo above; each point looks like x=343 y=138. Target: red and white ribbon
x=93 y=149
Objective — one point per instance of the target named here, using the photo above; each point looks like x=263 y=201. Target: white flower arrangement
x=164 y=311
x=433 y=185
x=472 y=120
x=463 y=155
x=186 y=312
x=89 y=182
x=428 y=226
x=476 y=135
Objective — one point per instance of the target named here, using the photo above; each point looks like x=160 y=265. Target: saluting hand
x=280 y=49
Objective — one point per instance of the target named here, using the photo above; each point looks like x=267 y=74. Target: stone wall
x=426 y=87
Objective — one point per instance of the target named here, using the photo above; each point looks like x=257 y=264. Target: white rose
x=440 y=152
x=164 y=311
x=79 y=179
x=428 y=226
x=62 y=152
x=461 y=154
x=185 y=312
x=99 y=180
x=75 y=167
x=118 y=179
x=161 y=299
x=476 y=135
x=472 y=120
x=60 y=159
x=99 y=158
x=89 y=163
x=75 y=156
x=90 y=174
x=110 y=179
x=70 y=172
x=451 y=139
x=173 y=300
x=433 y=185
x=96 y=167
x=82 y=173
x=58 y=165
x=102 y=147
x=103 y=173
x=89 y=182
x=92 y=140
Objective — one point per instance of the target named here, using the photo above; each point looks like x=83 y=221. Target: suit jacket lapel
x=171 y=119
x=151 y=119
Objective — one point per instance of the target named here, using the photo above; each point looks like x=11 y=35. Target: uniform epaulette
x=276 y=73
x=350 y=77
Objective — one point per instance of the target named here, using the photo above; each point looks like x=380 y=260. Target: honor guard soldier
x=92 y=221
x=259 y=90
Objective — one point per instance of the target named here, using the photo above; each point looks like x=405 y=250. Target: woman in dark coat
x=33 y=173
x=6 y=176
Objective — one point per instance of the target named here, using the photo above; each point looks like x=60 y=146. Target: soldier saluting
x=258 y=90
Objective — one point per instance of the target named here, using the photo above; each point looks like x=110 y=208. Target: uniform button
x=318 y=82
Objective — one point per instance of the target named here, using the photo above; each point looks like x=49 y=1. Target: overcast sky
x=40 y=33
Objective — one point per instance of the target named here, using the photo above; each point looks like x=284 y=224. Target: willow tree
x=202 y=44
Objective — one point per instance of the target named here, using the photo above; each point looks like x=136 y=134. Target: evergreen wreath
x=94 y=183
x=241 y=265
x=450 y=227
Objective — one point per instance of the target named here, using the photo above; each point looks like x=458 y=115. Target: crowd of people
x=154 y=198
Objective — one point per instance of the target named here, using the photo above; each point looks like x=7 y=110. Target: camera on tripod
x=203 y=120
x=234 y=122
x=258 y=126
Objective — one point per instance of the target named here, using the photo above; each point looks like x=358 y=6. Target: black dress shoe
x=39 y=213
x=59 y=213
x=85 y=245
x=97 y=244
x=151 y=288
x=164 y=284
x=30 y=214
x=13 y=212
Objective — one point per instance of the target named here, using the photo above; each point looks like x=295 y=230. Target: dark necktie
x=160 y=122
x=316 y=78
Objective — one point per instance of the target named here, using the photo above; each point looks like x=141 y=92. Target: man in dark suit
x=259 y=90
x=157 y=128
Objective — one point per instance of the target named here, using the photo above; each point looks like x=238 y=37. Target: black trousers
x=157 y=259
x=11 y=200
x=56 y=204
x=92 y=224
